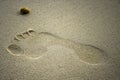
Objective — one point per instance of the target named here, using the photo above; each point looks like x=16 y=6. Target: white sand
x=95 y=22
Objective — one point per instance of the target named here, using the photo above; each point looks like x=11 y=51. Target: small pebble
x=24 y=10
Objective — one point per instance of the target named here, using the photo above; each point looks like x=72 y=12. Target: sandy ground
x=94 y=22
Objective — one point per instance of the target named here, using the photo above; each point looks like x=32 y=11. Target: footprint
x=33 y=45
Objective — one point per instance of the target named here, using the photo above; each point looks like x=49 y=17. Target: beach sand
x=86 y=22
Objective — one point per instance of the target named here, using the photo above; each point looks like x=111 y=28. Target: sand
x=93 y=22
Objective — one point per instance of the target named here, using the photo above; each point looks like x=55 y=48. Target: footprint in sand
x=33 y=45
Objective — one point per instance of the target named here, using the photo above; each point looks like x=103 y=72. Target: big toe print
x=15 y=50
x=33 y=45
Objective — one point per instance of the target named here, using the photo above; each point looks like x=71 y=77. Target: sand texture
x=60 y=40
